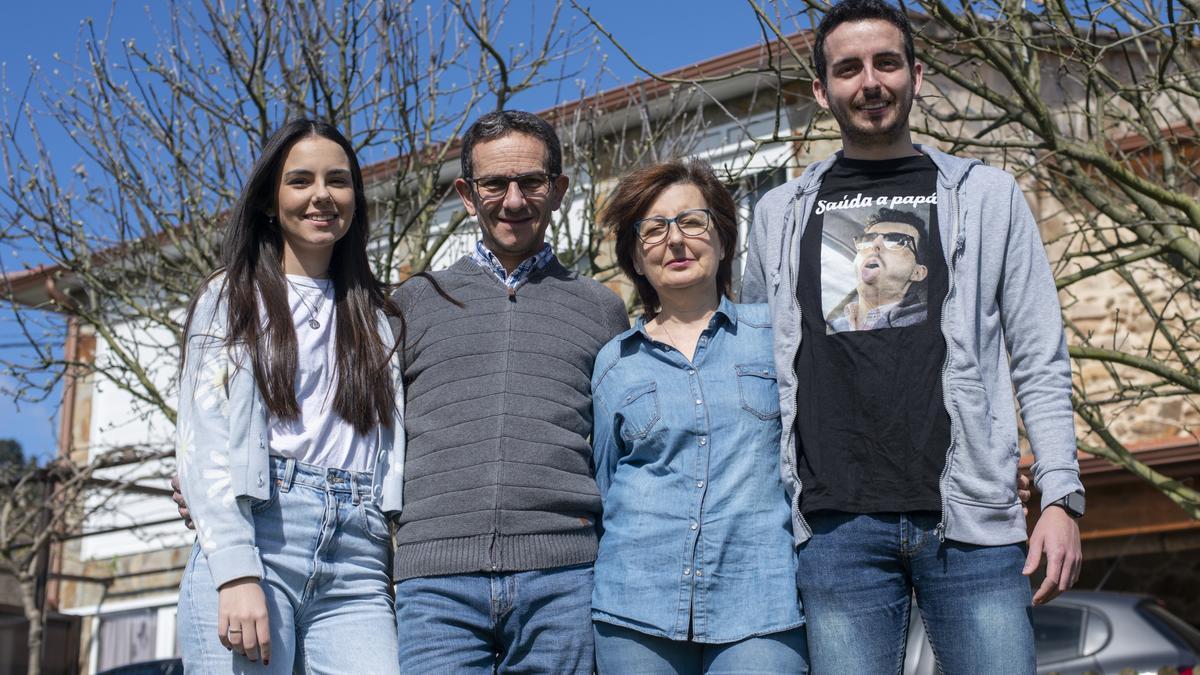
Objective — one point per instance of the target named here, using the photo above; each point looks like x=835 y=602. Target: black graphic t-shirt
x=871 y=425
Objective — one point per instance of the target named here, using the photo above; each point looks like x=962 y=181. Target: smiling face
x=884 y=273
x=513 y=225
x=314 y=204
x=678 y=264
x=869 y=88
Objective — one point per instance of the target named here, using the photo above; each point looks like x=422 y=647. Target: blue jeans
x=622 y=650
x=516 y=622
x=858 y=572
x=325 y=548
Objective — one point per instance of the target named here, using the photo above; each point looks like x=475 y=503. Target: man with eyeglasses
x=900 y=441
x=497 y=538
x=891 y=288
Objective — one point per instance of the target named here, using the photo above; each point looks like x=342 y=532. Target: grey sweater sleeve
x=616 y=317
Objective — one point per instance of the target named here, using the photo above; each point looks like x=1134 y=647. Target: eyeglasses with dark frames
x=891 y=241
x=691 y=223
x=532 y=185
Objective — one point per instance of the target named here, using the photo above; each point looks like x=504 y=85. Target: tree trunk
x=33 y=614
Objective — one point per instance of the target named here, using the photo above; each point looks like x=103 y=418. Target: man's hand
x=1056 y=535
x=1023 y=492
x=177 y=497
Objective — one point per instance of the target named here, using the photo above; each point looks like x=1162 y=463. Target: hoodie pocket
x=985 y=463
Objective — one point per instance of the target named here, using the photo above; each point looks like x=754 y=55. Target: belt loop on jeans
x=289 y=474
x=353 y=489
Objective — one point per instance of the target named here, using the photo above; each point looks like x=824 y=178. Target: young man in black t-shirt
x=910 y=296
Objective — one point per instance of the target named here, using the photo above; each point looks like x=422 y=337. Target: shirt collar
x=487 y=260
x=726 y=310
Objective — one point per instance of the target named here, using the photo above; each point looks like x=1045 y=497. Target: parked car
x=163 y=667
x=1092 y=631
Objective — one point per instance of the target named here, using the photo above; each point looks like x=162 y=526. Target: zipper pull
x=512 y=294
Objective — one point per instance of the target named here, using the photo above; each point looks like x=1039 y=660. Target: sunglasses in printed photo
x=891 y=240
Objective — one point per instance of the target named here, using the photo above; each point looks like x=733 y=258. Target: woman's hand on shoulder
x=242 y=620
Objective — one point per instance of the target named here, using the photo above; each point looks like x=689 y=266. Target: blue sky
x=661 y=34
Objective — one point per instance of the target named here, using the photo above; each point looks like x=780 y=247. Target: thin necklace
x=670 y=338
x=312 y=310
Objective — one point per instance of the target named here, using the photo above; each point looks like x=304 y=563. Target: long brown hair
x=252 y=251
x=637 y=191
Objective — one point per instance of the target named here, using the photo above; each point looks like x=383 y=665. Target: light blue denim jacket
x=221 y=442
x=1003 y=328
x=696 y=526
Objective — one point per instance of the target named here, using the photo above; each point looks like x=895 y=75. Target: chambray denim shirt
x=696 y=526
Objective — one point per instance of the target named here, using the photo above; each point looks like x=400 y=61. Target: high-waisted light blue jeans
x=325 y=547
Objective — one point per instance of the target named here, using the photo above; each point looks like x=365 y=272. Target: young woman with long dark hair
x=290 y=443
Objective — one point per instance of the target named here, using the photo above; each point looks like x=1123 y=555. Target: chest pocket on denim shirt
x=638 y=410
x=757 y=390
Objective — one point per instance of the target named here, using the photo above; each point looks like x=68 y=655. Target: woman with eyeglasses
x=289 y=437
x=695 y=571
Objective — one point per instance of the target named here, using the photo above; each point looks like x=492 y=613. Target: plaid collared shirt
x=488 y=261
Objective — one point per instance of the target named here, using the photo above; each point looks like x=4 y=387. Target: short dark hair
x=886 y=215
x=500 y=123
x=859 y=10
x=632 y=198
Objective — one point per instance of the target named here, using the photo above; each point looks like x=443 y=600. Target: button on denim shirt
x=696 y=527
x=221 y=441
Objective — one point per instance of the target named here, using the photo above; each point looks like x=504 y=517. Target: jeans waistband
x=288 y=473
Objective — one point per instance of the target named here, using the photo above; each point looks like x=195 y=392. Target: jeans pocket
x=638 y=411
x=374 y=523
x=757 y=390
x=260 y=505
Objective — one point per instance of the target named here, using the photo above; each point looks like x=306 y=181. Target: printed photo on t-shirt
x=873 y=250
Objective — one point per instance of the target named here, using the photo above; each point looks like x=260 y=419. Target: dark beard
x=871 y=138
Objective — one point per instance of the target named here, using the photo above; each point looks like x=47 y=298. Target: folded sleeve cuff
x=1057 y=484
x=235 y=562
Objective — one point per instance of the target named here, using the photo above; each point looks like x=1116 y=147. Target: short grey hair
x=501 y=123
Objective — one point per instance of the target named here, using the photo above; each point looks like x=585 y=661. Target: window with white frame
x=127 y=637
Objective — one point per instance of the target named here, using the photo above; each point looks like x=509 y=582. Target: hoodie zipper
x=957 y=247
x=789 y=456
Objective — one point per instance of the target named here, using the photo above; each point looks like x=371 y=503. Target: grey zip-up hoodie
x=1003 y=328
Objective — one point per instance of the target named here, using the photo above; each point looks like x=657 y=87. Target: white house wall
x=119 y=419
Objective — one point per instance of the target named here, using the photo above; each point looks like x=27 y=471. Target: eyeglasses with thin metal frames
x=692 y=223
x=532 y=185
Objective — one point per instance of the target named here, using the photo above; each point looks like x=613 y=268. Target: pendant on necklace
x=314 y=324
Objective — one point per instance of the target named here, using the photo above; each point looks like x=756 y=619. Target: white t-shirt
x=319 y=436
